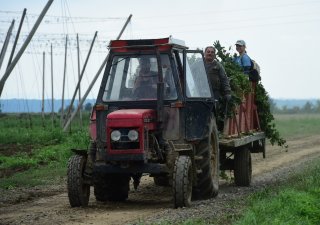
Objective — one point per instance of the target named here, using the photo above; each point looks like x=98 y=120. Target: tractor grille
x=125 y=143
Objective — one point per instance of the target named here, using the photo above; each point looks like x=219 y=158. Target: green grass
x=17 y=129
x=41 y=175
x=296 y=202
x=298 y=125
x=35 y=152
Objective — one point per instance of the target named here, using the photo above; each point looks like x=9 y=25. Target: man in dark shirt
x=220 y=84
x=217 y=75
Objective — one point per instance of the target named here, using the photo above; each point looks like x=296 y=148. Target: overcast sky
x=282 y=36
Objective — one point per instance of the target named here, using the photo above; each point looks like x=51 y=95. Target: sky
x=282 y=36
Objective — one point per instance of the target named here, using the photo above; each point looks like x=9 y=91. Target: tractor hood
x=132 y=118
x=132 y=114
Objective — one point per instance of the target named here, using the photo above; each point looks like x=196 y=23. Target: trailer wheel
x=182 y=181
x=242 y=167
x=207 y=162
x=78 y=189
x=112 y=187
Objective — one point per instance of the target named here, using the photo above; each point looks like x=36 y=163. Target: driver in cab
x=145 y=85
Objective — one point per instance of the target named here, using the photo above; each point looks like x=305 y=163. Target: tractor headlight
x=115 y=135
x=133 y=135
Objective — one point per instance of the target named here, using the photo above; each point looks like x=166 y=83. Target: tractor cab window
x=197 y=85
x=136 y=77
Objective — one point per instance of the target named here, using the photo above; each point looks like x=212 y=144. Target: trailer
x=242 y=135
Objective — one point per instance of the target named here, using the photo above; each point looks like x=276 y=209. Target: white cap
x=241 y=42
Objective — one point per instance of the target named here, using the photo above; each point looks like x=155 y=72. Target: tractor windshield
x=135 y=77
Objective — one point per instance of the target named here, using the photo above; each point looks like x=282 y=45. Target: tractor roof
x=163 y=44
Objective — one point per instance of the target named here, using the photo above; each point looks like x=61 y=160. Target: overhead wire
x=45 y=38
x=237 y=20
x=76 y=78
x=103 y=19
x=73 y=26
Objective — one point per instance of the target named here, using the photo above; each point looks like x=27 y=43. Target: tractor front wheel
x=182 y=181
x=78 y=188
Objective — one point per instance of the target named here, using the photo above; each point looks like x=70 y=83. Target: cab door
x=199 y=101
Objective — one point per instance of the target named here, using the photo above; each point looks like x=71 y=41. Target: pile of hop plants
x=240 y=85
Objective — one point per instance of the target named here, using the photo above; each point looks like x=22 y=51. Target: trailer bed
x=232 y=142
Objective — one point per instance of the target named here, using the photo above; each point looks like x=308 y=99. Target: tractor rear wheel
x=100 y=188
x=78 y=189
x=207 y=162
x=242 y=167
x=161 y=181
x=111 y=187
x=182 y=181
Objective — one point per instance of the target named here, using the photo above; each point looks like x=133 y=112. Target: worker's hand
x=227 y=98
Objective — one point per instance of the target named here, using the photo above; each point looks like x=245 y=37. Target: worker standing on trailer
x=219 y=82
x=217 y=75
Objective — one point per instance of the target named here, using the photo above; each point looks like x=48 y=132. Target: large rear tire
x=111 y=187
x=207 y=163
x=100 y=188
x=78 y=189
x=182 y=182
x=161 y=181
x=242 y=167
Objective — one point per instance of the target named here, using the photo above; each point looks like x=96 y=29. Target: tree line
x=308 y=107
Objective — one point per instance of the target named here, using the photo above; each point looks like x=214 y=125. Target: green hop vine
x=240 y=85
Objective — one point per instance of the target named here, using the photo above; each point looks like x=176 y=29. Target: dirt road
x=150 y=203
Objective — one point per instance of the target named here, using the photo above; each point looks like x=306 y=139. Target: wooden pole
x=17 y=37
x=24 y=46
x=79 y=76
x=6 y=43
x=64 y=80
x=43 y=83
x=52 y=97
x=124 y=27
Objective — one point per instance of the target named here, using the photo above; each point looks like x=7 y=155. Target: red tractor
x=154 y=114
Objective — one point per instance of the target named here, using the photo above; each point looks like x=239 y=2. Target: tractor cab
x=160 y=75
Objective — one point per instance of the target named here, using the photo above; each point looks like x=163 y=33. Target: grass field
x=295 y=202
x=32 y=151
x=298 y=125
